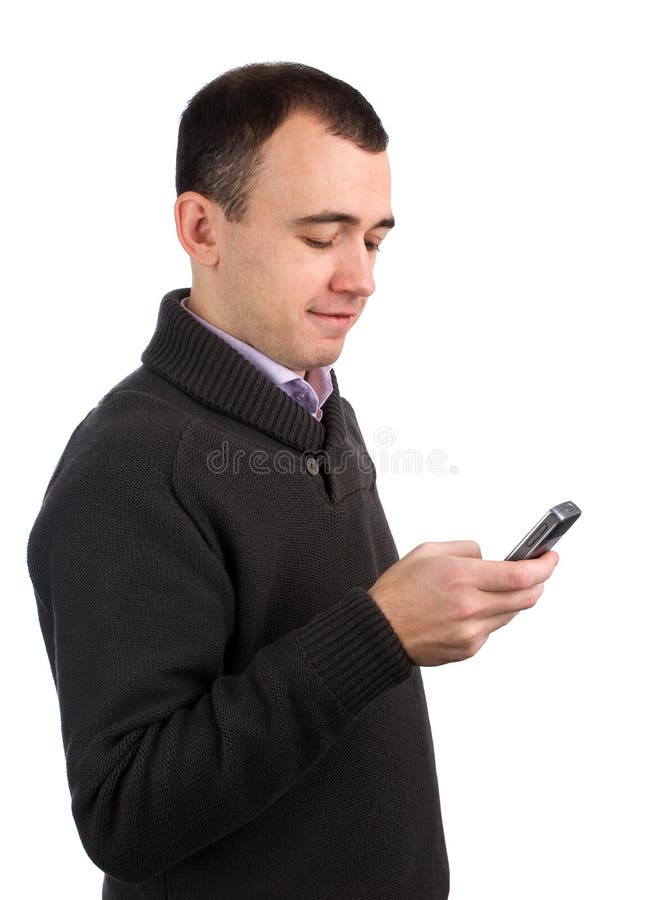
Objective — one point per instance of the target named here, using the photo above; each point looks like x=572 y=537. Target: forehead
x=304 y=168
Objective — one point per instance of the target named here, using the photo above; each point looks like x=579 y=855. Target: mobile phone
x=546 y=532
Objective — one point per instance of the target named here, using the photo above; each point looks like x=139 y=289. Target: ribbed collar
x=195 y=360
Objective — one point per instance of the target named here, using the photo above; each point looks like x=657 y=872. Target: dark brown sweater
x=240 y=721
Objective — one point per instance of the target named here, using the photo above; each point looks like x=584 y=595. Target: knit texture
x=239 y=719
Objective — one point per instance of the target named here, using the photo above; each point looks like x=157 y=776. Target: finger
x=506 y=603
x=466 y=549
x=503 y=575
x=475 y=639
x=493 y=623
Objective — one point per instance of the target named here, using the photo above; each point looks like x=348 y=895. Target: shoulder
x=129 y=437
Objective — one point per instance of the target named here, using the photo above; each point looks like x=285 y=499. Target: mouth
x=335 y=321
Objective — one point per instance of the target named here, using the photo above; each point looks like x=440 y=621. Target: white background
x=516 y=328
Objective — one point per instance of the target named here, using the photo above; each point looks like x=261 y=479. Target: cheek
x=306 y=278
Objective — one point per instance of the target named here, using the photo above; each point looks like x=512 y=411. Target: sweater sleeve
x=165 y=753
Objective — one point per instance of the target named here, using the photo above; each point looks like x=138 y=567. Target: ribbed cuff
x=355 y=650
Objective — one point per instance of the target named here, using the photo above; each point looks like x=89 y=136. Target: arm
x=165 y=753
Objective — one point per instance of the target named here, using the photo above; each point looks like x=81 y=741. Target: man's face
x=295 y=275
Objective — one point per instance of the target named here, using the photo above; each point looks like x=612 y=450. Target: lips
x=334 y=322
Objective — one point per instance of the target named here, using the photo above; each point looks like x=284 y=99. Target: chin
x=326 y=357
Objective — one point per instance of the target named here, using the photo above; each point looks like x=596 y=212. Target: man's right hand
x=443 y=600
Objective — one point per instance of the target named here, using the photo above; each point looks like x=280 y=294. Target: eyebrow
x=325 y=218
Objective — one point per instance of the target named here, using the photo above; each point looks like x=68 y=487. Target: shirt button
x=301 y=396
x=312 y=466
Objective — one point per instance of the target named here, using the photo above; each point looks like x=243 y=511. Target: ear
x=194 y=218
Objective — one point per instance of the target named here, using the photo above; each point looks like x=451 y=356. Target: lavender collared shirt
x=311 y=392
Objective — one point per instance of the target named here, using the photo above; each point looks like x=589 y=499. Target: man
x=234 y=642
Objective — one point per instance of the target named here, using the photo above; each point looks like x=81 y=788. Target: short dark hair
x=225 y=124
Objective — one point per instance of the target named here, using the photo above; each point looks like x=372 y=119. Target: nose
x=354 y=272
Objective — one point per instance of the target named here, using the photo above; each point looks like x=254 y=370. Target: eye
x=372 y=246
x=318 y=245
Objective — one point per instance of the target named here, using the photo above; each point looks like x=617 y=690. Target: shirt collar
x=310 y=392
